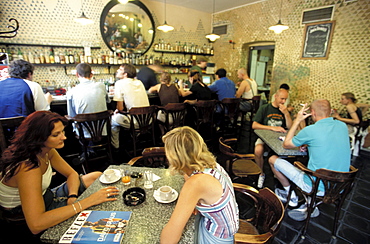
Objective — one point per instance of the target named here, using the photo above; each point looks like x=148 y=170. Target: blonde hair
x=185 y=148
x=165 y=77
x=322 y=107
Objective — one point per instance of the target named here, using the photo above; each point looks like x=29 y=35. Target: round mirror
x=127 y=28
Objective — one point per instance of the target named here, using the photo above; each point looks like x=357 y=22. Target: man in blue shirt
x=328 y=146
x=223 y=87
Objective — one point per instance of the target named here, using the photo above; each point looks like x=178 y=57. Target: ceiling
x=207 y=5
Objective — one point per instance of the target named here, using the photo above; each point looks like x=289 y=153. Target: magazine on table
x=97 y=227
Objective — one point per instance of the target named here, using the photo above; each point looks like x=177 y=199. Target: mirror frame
x=113 y=3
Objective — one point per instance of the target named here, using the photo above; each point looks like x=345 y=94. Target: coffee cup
x=109 y=174
x=165 y=193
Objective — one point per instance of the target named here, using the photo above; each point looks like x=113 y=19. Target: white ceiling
x=207 y=5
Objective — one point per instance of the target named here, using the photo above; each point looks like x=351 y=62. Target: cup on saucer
x=165 y=193
x=109 y=174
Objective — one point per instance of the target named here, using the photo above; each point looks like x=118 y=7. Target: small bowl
x=134 y=196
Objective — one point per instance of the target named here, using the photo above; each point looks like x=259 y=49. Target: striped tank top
x=221 y=219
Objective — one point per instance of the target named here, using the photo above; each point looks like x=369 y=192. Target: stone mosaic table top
x=147 y=220
x=271 y=138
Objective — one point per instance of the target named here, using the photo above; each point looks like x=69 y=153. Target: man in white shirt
x=19 y=95
x=128 y=92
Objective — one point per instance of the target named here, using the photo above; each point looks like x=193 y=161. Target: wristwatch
x=72 y=196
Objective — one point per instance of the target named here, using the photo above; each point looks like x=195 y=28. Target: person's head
x=39 y=130
x=126 y=71
x=348 y=97
x=320 y=109
x=84 y=70
x=125 y=40
x=284 y=86
x=280 y=97
x=186 y=150
x=221 y=73
x=21 y=69
x=242 y=74
x=165 y=78
x=202 y=62
x=193 y=76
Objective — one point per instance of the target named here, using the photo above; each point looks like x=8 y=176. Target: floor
x=354 y=222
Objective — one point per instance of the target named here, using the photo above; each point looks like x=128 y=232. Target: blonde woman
x=207 y=188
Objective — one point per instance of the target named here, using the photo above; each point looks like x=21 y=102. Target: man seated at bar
x=128 y=92
x=200 y=66
x=19 y=95
x=223 y=87
x=148 y=76
x=248 y=89
x=328 y=146
x=272 y=116
x=26 y=170
x=88 y=96
x=208 y=191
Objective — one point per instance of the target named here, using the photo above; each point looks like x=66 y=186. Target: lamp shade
x=165 y=27
x=279 y=27
x=212 y=37
x=83 y=20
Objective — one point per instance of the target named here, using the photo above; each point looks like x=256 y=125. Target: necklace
x=46 y=159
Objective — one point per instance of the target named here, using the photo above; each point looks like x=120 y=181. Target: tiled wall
x=347 y=68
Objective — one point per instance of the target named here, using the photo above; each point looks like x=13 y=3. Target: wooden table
x=271 y=138
x=147 y=220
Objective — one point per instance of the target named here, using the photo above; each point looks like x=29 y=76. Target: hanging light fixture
x=279 y=27
x=123 y=1
x=83 y=19
x=165 y=27
x=212 y=37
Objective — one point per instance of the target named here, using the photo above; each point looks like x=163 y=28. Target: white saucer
x=115 y=179
x=156 y=196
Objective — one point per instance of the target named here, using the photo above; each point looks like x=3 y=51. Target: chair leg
x=310 y=207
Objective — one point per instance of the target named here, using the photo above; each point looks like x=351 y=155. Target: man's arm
x=302 y=115
x=258 y=126
x=120 y=107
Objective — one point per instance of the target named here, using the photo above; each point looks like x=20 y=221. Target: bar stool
x=173 y=116
x=230 y=113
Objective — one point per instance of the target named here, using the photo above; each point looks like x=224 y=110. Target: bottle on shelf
x=102 y=58
x=51 y=56
x=47 y=57
x=71 y=58
x=66 y=58
x=62 y=58
x=82 y=58
x=30 y=58
x=42 y=57
x=76 y=57
x=56 y=59
x=111 y=58
x=20 y=54
x=36 y=58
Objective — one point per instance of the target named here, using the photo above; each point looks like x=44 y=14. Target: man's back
x=132 y=92
x=16 y=98
x=147 y=76
x=224 y=88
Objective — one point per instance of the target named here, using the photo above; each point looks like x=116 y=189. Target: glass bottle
x=76 y=57
x=51 y=56
x=71 y=57
x=30 y=58
x=47 y=57
x=66 y=58
x=62 y=58
x=20 y=54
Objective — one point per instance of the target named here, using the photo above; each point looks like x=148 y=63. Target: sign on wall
x=317 y=39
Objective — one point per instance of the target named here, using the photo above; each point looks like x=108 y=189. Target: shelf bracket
x=13 y=32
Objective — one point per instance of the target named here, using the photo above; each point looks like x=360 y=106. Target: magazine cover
x=97 y=227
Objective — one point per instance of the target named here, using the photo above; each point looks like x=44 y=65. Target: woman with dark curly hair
x=26 y=170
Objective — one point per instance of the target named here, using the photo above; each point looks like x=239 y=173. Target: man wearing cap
x=201 y=65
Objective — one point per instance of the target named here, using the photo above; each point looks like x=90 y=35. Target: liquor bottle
x=42 y=57
x=20 y=54
x=66 y=58
x=115 y=58
x=99 y=59
x=47 y=58
x=211 y=51
x=111 y=58
x=107 y=58
x=120 y=60
x=77 y=58
x=30 y=58
x=89 y=59
x=82 y=58
x=51 y=56
x=62 y=58
x=102 y=57
x=36 y=58
x=14 y=54
x=57 y=59
x=71 y=58
x=94 y=59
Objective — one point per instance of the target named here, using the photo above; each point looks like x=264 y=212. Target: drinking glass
x=148 y=179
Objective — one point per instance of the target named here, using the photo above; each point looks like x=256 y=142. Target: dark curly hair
x=20 y=69
x=28 y=141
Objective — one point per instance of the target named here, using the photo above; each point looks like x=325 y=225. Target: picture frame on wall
x=317 y=39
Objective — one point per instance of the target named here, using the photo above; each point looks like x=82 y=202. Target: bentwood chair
x=94 y=133
x=204 y=120
x=153 y=157
x=337 y=185
x=230 y=114
x=142 y=122
x=260 y=214
x=238 y=165
x=256 y=101
x=173 y=116
x=7 y=128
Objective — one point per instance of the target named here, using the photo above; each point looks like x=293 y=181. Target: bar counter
x=147 y=220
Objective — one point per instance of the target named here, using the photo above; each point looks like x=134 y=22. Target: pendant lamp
x=279 y=27
x=83 y=19
x=212 y=37
x=165 y=27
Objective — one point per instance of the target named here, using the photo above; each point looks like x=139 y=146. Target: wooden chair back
x=231 y=112
x=175 y=116
x=337 y=185
x=153 y=157
x=8 y=126
x=269 y=213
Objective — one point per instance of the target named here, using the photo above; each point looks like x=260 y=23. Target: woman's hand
x=106 y=194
